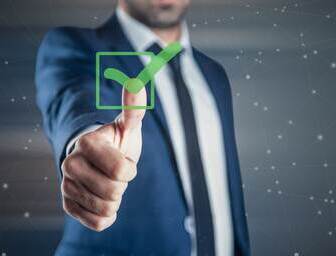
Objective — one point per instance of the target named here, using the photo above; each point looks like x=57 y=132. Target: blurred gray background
x=280 y=56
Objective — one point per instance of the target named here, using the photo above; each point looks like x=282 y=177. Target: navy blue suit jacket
x=151 y=218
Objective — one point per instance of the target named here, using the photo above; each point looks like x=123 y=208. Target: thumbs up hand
x=97 y=172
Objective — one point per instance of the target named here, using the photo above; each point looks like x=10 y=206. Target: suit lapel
x=220 y=88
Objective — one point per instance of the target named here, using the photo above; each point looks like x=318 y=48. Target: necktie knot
x=174 y=63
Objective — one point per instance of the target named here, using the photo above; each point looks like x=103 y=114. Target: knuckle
x=98 y=224
x=108 y=209
x=84 y=143
x=111 y=195
x=113 y=218
x=70 y=164
x=69 y=208
x=124 y=170
x=66 y=164
x=114 y=192
x=119 y=169
x=65 y=186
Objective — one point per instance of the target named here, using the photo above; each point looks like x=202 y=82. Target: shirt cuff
x=71 y=145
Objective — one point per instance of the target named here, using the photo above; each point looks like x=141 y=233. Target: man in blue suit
x=172 y=174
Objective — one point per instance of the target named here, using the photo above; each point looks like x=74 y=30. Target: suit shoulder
x=207 y=59
x=214 y=65
x=66 y=36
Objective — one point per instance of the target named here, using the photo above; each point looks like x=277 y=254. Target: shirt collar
x=141 y=37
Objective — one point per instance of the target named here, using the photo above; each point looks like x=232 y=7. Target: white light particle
x=272 y=167
x=279 y=192
x=333 y=65
x=315 y=52
x=277 y=182
x=294 y=164
x=319 y=137
x=248 y=77
x=319 y=212
x=5 y=186
x=6 y=62
x=290 y=122
x=237 y=94
x=3 y=254
x=23 y=97
x=332 y=201
x=277 y=49
x=311 y=198
x=325 y=165
x=330 y=192
x=12 y=100
x=326 y=200
x=194 y=25
x=256 y=168
x=256 y=103
x=305 y=56
x=268 y=151
x=313 y=91
x=45 y=178
x=269 y=190
x=328 y=16
x=280 y=136
x=301 y=34
x=265 y=108
x=26 y=215
x=25 y=148
x=296 y=254
x=330 y=233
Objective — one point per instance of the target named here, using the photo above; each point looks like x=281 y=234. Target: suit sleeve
x=65 y=82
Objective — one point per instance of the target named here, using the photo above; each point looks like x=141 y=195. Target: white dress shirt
x=208 y=128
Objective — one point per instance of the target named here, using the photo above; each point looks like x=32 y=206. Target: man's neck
x=167 y=35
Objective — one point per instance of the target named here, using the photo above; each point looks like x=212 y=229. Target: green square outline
x=99 y=54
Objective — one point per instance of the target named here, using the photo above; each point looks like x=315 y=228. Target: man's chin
x=164 y=24
x=165 y=20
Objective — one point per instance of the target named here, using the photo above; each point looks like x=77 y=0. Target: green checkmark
x=134 y=85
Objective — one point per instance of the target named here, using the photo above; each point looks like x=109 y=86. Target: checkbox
x=99 y=79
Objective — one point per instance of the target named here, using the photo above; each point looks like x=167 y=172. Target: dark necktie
x=202 y=211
